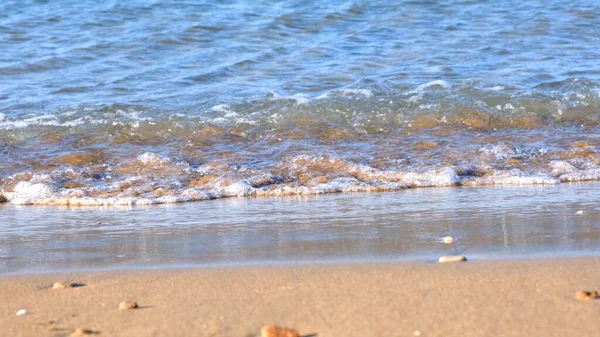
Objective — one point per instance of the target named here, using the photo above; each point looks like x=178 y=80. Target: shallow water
x=108 y=103
x=118 y=104
x=485 y=222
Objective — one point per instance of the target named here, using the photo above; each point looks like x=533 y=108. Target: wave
x=472 y=104
x=151 y=178
x=346 y=140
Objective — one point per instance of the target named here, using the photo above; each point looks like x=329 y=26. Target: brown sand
x=475 y=298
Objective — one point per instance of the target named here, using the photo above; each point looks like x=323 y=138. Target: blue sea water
x=183 y=56
x=164 y=101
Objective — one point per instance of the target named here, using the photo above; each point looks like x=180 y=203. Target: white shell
x=448 y=239
x=22 y=312
x=454 y=258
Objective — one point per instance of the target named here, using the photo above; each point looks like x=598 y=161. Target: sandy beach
x=209 y=168
x=474 y=298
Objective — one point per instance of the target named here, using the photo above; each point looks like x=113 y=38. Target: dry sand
x=475 y=298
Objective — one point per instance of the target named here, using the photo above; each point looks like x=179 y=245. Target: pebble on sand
x=127 y=305
x=448 y=239
x=579 y=212
x=583 y=295
x=454 y=258
x=22 y=312
x=61 y=285
x=82 y=332
x=273 y=330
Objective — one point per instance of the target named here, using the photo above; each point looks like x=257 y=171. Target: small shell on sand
x=22 y=312
x=579 y=212
x=454 y=258
x=273 y=330
x=583 y=295
x=127 y=305
x=61 y=285
x=82 y=332
x=448 y=239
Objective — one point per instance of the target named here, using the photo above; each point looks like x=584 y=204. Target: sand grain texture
x=498 y=298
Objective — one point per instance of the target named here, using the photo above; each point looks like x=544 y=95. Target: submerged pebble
x=273 y=330
x=448 y=239
x=583 y=295
x=453 y=258
x=128 y=305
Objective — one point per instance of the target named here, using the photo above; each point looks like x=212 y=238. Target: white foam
x=221 y=108
x=357 y=92
x=327 y=174
x=445 y=176
x=237 y=189
x=511 y=177
x=261 y=179
x=590 y=174
x=417 y=94
x=436 y=83
x=342 y=184
x=560 y=167
x=500 y=151
x=151 y=158
x=439 y=83
x=227 y=116
x=27 y=192
x=348 y=93
x=44 y=120
x=298 y=98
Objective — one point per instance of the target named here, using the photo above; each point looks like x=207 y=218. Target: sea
x=239 y=119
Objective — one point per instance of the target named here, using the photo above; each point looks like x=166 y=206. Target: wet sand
x=474 y=298
x=485 y=222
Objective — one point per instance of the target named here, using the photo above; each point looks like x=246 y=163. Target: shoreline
x=407 y=225
x=505 y=181
x=474 y=298
x=236 y=265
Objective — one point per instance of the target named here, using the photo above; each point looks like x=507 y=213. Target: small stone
x=580 y=212
x=454 y=258
x=22 y=312
x=60 y=285
x=82 y=332
x=273 y=330
x=128 y=305
x=417 y=333
x=583 y=295
x=448 y=239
